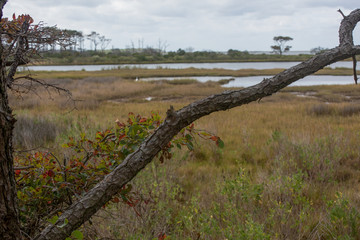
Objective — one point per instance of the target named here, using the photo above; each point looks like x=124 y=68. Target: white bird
x=137 y=79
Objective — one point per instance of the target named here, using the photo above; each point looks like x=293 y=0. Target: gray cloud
x=50 y=3
x=202 y=24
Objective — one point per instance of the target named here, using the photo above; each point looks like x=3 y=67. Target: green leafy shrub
x=47 y=184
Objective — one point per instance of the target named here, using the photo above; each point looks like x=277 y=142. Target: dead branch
x=342 y=14
x=23 y=168
x=31 y=84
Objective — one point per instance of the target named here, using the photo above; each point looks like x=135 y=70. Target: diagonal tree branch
x=82 y=210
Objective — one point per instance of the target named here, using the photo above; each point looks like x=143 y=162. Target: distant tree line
x=70 y=49
x=154 y=55
x=73 y=40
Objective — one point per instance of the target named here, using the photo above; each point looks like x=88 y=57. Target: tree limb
x=19 y=53
x=24 y=168
x=87 y=206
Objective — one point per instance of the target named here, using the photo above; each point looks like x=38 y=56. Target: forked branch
x=350 y=40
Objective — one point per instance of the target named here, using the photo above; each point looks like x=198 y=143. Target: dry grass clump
x=182 y=81
x=349 y=110
x=34 y=132
x=321 y=109
x=344 y=110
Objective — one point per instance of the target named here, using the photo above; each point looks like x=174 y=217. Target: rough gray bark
x=9 y=222
x=82 y=210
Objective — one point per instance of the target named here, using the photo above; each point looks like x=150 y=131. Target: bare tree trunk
x=9 y=222
x=82 y=210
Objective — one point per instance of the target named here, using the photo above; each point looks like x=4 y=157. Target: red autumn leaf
x=122 y=136
x=17 y=172
x=130 y=204
x=162 y=236
x=214 y=138
x=14 y=17
x=50 y=173
x=142 y=120
x=116 y=200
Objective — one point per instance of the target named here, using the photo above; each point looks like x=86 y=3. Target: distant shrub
x=225 y=81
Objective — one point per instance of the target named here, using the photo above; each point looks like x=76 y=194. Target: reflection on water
x=230 y=66
x=249 y=81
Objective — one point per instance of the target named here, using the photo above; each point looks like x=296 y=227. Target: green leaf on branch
x=78 y=235
x=220 y=143
x=53 y=220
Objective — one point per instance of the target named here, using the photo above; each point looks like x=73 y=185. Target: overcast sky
x=216 y=25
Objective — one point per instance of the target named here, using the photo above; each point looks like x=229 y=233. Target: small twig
x=42 y=83
x=65 y=179
x=341 y=13
x=57 y=160
x=28 y=150
x=23 y=168
x=354 y=69
x=107 y=136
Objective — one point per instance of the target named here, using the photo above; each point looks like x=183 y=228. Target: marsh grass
x=344 y=109
x=183 y=81
x=289 y=170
